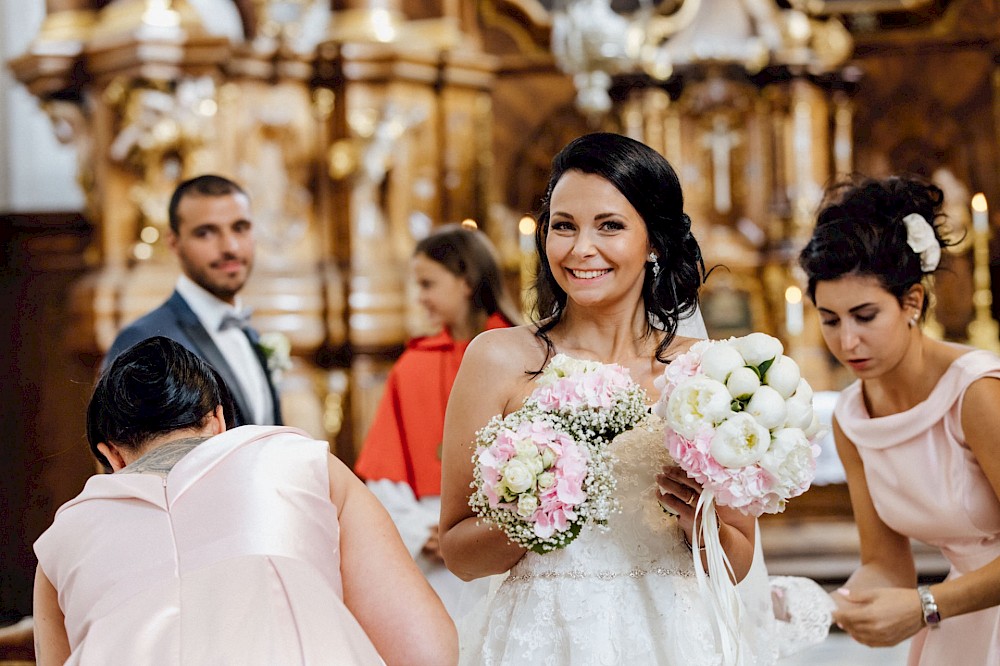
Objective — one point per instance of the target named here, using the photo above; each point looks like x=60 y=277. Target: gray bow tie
x=240 y=320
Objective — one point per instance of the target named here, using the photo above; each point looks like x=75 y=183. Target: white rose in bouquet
x=739 y=441
x=526 y=452
x=526 y=505
x=525 y=449
x=695 y=402
x=743 y=383
x=721 y=359
x=562 y=365
x=783 y=376
x=768 y=407
x=517 y=477
x=758 y=347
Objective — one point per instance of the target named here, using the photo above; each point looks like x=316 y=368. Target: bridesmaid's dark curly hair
x=650 y=184
x=860 y=231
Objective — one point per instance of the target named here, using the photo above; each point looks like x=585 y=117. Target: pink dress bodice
x=232 y=558
x=926 y=484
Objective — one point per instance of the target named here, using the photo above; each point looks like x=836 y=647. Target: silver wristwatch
x=927 y=604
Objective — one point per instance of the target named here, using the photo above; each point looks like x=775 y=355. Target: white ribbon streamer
x=716 y=585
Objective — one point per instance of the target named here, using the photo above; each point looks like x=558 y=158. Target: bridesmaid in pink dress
x=917 y=433
x=211 y=545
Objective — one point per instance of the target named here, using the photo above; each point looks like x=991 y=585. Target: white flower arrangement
x=543 y=471
x=739 y=420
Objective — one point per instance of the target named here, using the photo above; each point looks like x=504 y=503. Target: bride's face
x=597 y=242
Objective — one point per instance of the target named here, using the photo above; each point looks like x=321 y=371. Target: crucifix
x=721 y=141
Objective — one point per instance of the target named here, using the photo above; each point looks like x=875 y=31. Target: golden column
x=983 y=329
x=409 y=149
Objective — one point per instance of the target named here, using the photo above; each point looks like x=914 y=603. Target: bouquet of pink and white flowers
x=543 y=471
x=740 y=421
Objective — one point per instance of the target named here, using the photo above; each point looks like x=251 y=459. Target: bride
x=619 y=269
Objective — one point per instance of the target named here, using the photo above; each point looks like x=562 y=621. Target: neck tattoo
x=163 y=458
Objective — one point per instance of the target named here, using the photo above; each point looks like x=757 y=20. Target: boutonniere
x=277 y=350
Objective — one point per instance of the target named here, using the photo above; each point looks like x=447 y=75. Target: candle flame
x=793 y=294
x=979 y=202
x=526 y=225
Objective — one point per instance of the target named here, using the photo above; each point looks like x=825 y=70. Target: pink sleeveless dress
x=233 y=558
x=926 y=484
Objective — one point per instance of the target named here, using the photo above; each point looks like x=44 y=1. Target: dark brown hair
x=860 y=231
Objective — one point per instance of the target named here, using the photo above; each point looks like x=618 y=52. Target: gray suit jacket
x=176 y=320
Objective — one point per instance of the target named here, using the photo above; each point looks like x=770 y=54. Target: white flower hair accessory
x=921 y=239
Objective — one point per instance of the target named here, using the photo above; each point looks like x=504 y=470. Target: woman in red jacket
x=460 y=286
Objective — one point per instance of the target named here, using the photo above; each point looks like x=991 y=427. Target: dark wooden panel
x=43 y=389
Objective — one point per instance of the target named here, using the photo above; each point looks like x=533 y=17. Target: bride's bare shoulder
x=516 y=349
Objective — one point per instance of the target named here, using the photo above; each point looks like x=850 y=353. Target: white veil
x=693 y=326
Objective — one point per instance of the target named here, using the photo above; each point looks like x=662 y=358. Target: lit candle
x=526 y=231
x=526 y=228
x=980 y=214
x=793 y=311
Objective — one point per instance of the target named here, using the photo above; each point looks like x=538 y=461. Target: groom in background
x=212 y=235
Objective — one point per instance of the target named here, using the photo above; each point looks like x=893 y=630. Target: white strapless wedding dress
x=627 y=594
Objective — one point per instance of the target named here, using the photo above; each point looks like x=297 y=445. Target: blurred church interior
x=357 y=126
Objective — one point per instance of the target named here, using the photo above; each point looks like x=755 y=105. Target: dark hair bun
x=154 y=387
x=860 y=230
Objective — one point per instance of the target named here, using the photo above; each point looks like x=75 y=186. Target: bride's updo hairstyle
x=152 y=388
x=650 y=184
x=869 y=226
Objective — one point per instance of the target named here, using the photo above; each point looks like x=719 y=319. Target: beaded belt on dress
x=599 y=575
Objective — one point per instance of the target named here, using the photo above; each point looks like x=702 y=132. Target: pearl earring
x=914 y=320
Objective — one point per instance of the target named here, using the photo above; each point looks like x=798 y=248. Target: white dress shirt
x=234 y=345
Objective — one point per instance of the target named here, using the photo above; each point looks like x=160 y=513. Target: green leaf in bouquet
x=763 y=368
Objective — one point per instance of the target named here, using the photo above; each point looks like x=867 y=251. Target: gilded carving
x=162 y=130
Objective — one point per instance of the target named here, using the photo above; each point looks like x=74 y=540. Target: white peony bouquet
x=543 y=471
x=740 y=421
